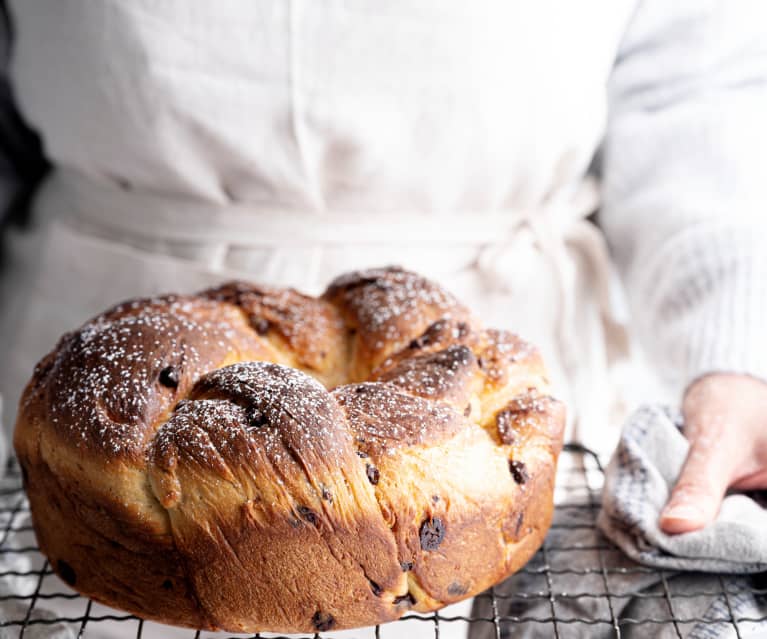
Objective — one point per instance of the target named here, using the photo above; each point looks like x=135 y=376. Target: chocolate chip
x=362 y=454
x=463 y=329
x=372 y=473
x=167 y=584
x=456 y=590
x=419 y=342
x=326 y=494
x=432 y=533
x=308 y=514
x=323 y=621
x=435 y=498
x=467 y=410
x=169 y=377
x=256 y=418
x=481 y=363
x=360 y=389
x=261 y=325
x=408 y=598
x=66 y=572
x=518 y=471
x=406 y=566
x=375 y=588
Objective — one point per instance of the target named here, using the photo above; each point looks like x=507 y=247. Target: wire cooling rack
x=577 y=585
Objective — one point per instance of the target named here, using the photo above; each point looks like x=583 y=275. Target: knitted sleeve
x=685 y=184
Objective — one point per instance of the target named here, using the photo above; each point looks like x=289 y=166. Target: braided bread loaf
x=185 y=462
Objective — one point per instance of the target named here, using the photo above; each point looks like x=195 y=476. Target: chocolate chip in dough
x=167 y=584
x=373 y=474
x=323 y=621
x=169 y=377
x=256 y=417
x=432 y=533
x=456 y=590
x=518 y=471
x=308 y=514
x=375 y=588
x=261 y=325
x=66 y=572
x=406 y=566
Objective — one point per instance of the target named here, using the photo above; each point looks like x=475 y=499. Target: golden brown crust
x=386 y=308
x=185 y=461
x=310 y=329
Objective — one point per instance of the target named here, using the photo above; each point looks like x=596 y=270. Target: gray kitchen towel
x=638 y=482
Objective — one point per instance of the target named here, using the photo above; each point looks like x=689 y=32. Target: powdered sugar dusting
x=384 y=418
x=104 y=388
x=441 y=375
x=388 y=301
x=503 y=349
x=282 y=399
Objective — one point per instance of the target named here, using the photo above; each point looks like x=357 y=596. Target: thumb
x=698 y=493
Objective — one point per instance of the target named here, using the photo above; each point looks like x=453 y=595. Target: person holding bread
x=538 y=160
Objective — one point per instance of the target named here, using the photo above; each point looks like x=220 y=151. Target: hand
x=725 y=420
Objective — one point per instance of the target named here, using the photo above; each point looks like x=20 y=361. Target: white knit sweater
x=685 y=183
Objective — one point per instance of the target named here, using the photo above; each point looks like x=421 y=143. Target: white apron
x=287 y=142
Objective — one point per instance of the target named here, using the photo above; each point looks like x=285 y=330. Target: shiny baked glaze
x=185 y=460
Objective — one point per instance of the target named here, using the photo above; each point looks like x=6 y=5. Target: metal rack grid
x=577 y=585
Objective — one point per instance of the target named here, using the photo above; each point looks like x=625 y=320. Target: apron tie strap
x=561 y=228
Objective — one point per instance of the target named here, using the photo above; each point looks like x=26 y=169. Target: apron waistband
x=109 y=208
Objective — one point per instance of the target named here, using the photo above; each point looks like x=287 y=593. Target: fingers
x=725 y=425
x=700 y=488
x=754 y=481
